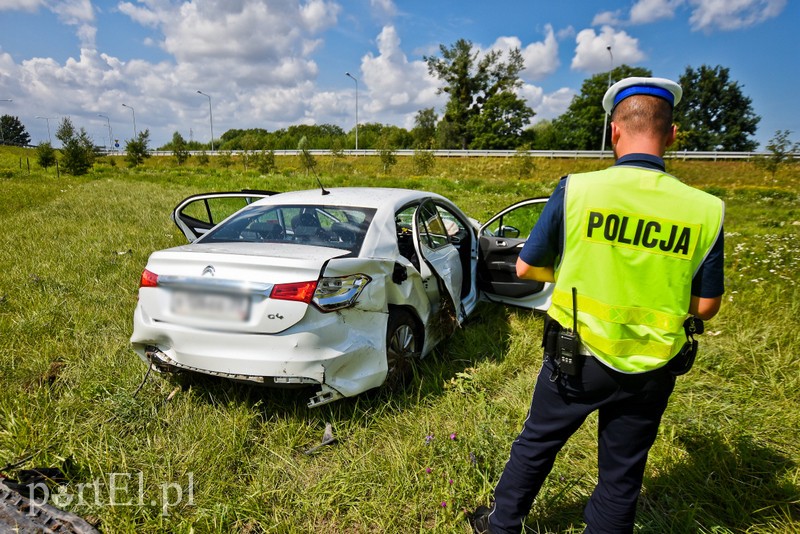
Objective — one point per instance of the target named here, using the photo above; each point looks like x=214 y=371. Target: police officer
x=633 y=253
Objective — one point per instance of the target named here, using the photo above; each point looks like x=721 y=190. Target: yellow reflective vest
x=634 y=239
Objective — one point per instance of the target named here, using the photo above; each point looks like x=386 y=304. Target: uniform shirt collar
x=647 y=161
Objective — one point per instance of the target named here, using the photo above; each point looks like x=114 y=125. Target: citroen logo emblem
x=208 y=271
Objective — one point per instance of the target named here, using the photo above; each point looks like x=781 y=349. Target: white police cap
x=660 y=87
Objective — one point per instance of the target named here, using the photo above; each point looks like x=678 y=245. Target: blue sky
x=270 y=64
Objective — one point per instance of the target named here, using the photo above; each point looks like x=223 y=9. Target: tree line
x=484 y=110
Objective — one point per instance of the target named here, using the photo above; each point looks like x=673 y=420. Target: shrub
x=179 y=148
x=136 y=149
x=45 y=155
x=524 y=162
x=424 y=161
x=225 y=160
x=265 y=161
x=77 y=151
x=307 y=159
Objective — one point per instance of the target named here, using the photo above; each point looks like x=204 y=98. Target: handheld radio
x=570 y=360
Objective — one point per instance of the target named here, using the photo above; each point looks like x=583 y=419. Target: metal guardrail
x=552 y=154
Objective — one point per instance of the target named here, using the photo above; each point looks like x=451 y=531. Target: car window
x=433 y=233
x=404 y=220
x=214 y=210
x=452 y=224
x=516 y=223
x=318 y=225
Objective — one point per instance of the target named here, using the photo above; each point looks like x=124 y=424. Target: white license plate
x=211 y=305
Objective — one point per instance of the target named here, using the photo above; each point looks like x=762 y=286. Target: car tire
x=403 y=346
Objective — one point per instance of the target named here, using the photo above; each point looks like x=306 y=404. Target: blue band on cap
x=644 y=90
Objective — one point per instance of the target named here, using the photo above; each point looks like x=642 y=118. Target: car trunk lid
x=234 y=287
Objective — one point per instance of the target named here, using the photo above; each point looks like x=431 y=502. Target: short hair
x=644 y=115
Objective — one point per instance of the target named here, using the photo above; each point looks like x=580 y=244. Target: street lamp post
x=355 y=80
x=605 y=115
x=210 y=118
x=2 y=135
x=49 y=139
x=108 y=122
x=133 y=111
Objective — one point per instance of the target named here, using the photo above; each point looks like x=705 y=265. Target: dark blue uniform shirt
x=546 y=241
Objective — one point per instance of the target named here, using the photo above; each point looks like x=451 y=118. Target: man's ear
x=615 y=133
x=673 y=132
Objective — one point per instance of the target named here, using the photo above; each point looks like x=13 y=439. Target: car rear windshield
x=318 y=225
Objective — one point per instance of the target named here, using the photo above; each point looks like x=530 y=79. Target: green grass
x=71 y=253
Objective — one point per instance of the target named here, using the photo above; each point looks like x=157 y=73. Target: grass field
x=71 y=253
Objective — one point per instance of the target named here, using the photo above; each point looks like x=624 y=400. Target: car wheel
x=403 y=345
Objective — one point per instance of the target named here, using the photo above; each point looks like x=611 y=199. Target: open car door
x=500 y=241
x=197 y=214
x=440 y=258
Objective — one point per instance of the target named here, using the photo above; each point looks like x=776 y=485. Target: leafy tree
x=423 y=161
x=500 y=123
x=265 y=161
x=136 y=149
x=45 y=155
x=179 y=148
x=12 y=132
x=524 y=162
x=542 y=136
x=714 y=113
x=373 y=134
x=224 y=159
x=337 y=148
x=472 y=81
x=581 y=126
x=782 y=151
x=77 y=148
x=307 y=159
x=387 y=153
x=249 y=144
x=424 y=131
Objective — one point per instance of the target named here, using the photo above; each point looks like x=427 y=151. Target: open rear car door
x=500 y=241
x=197 y=214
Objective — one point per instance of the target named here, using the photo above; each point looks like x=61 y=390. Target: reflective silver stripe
x=214 y=284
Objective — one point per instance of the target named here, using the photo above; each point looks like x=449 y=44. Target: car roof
x=365 y=197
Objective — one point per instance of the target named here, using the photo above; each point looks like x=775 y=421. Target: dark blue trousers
x=630 y=409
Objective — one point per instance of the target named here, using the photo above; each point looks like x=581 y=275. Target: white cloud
x=608 y=18
x=383 y=9
x=141 y=14
x=646 y=11
x=253 y=57
x=541 y=59
x=396 y=85
x=708 y=15
x=565 y=33
x=318 y=15
x=24 y=5
x=592 y=55
x=642 y=12
x=554 y=104
x=73 y=12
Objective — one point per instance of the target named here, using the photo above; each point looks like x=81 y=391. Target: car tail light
x=341 y=292
x=149 y=279
x=300 y=291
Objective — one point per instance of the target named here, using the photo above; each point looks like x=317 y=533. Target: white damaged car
x=338 y=288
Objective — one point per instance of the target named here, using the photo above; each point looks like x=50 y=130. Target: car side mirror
x=509 y=231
